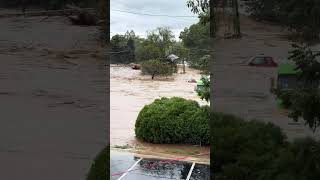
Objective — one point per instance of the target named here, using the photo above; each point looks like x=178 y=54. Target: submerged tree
x=156 y=68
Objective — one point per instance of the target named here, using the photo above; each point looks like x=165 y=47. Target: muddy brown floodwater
x=52 y=98
x=130 y=92
x=245 y=91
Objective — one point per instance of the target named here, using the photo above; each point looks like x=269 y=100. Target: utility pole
x=183 y=66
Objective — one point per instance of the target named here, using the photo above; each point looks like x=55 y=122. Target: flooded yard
x=130 y=92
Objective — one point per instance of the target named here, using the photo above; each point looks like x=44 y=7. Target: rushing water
x=130 y=91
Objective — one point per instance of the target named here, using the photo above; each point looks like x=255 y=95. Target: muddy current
x=245 y=91
x=131 y=91
x=52 y=98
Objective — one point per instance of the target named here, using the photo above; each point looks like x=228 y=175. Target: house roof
x=172 y=57
x=287 y=69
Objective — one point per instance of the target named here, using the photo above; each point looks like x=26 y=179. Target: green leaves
x=243 y=149
x=204 y=92
x=100 y=169
x=173 y=120
x=157 y=68
x=196 y=39
x=304 y=100
x=198 y=6
x=156 y=45
x=301 y=17
x=254 y=150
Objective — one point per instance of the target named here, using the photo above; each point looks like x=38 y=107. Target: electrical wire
x=159 y=15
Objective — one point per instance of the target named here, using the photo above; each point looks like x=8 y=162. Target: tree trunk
x=236 y=23
x=152 y=76
x=212 y=20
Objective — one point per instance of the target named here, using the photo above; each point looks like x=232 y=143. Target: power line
x=159 y=15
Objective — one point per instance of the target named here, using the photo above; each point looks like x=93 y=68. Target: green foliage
x=196 y=39
x=196 y=36
x=156 y=45
x=305 y=103
x=202 y=63
x=306 y=61
x=304 y=100
x=243 y=149
x=263 y=9
x=198 y=6
x=304 y=23
x=156 y=68
x=147 y=50
x=285 y=97
x=300 y=160
x=100 y=168
x=123 y=48
x=173 y=120
x=254 y=150
x=204 y=92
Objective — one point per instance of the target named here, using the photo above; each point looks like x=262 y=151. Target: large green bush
x=301 y=160
x=253 y=150
x=243 y=149
x=100 y=168
x=173 y=120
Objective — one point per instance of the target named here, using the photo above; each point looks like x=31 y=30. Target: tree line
x=161 y=42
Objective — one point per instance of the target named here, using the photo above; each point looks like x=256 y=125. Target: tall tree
x=157 y=45
x=196 y=39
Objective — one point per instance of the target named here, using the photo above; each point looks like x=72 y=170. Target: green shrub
x=301 y=160
x=204 y=92
x=243 y=149
x=173 y=120
x=285 y=98
x=253 y=150
x=100 y=168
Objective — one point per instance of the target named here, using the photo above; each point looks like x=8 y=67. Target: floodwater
x=52 y=98
x=245 y=91
x=130 y=92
